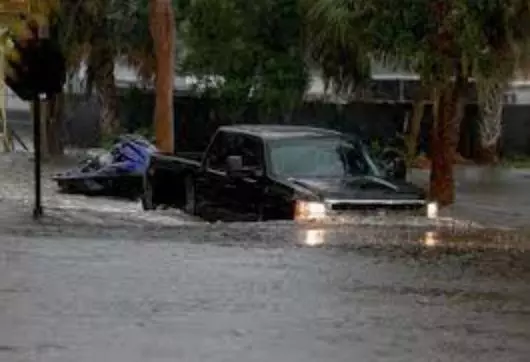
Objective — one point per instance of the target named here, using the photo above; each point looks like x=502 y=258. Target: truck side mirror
x=394 y=165
x=398 y=169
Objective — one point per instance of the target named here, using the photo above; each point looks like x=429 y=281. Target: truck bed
x=167 y=173
x=175 y=162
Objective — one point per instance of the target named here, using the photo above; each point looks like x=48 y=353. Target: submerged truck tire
x=147 y=195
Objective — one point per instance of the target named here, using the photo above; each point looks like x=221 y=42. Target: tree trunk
x=448 y=112
x=411 y=140
x=108 y=96
x=108 y=93
x=490 y=97
x=162 y=28
x=54 y=129
x=101 y=73
x=488 y=154
x=50 y=128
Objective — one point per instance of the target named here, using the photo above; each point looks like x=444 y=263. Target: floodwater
x=261 y=293
x=100 y=280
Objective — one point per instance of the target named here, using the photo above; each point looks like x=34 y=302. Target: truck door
x=212 y=201
x=245 y=194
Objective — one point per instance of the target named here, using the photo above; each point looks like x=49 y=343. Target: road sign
x=35 y=66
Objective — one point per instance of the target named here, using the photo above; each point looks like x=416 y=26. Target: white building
x=126 y=77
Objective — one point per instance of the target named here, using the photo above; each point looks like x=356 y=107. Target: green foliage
x=99 y=33
x=255 y=46
x=107 y=142
x=379 y=147
x=480 y=38
x=120 y=27
x=338 y=40
x=517 y=161
x=137 y=110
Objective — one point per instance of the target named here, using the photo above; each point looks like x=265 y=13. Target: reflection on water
x=318 y=237
x=431 y=238
x=315 y=237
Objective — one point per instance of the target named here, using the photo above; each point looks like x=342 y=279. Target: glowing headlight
x=432 y=210
x=314 y=237
x=306 y=210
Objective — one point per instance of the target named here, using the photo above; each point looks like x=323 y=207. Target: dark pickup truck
x=276 y=172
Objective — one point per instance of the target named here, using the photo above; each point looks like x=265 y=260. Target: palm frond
x=121 y=26
x=337 y=42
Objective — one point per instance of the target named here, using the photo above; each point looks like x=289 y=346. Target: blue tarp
x=131 y=154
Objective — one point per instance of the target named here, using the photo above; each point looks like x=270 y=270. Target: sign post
x=42 y=33
x=36 y=70
x=37 y=210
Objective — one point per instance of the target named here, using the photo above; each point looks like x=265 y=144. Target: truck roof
x=277 y=131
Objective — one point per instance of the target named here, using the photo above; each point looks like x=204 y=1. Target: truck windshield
x=329 y=157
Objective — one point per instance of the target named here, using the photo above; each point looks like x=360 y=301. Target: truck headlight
x=308 y=210
x=432 y=210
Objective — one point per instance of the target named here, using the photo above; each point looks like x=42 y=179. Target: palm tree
x=508 y=45
x=163 y=32
x=446 y=42
x=337 y=41
x=140 y=33
x=98 y=33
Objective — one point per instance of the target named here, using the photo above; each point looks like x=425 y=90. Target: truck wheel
x=189 y=203
x=147 y=195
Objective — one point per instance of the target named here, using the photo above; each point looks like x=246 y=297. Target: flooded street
x=100 y=280
x=392 y=140
x=232 y=294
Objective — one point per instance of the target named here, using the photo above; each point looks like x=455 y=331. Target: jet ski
x=118 y=172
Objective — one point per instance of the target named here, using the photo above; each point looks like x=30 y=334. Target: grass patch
x=520 y=162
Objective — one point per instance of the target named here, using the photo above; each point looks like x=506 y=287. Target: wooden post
x=162 y=28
